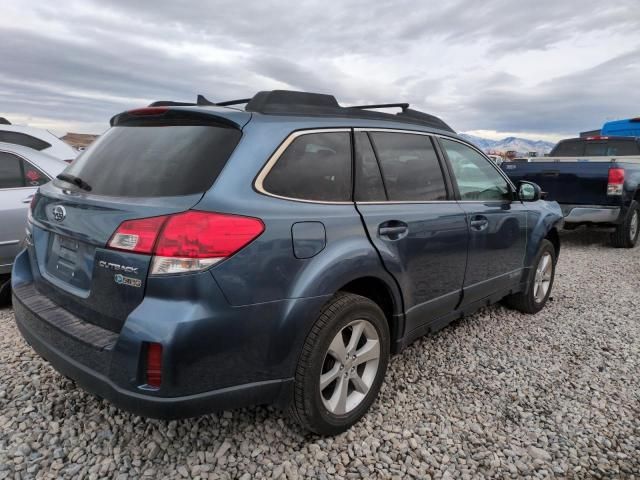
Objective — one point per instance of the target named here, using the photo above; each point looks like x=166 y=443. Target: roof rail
x=287 y=102
x=403 y=106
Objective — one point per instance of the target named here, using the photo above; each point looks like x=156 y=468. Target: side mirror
x=529 y=192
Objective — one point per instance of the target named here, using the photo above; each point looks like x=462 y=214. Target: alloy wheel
x=542 y=280
x=349 y=367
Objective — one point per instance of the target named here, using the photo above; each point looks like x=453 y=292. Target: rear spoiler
x=165 y=115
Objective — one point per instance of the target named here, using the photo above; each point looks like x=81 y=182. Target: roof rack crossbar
x=403 y=106
x=240 y=101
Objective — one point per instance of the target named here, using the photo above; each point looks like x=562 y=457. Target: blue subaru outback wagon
x=205 y=256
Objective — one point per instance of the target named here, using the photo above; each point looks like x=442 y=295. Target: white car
x=37 y=139
x=22 y=171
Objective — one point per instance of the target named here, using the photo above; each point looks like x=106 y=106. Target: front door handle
x=27 y=199
x=393 y=229
x=479 y=223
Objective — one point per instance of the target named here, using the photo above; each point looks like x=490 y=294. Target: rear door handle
x=27 y=199
x=393 y=230
x=479 y=223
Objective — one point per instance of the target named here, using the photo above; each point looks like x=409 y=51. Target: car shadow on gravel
x=583 y=236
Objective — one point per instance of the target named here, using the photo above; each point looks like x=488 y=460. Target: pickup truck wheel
x=541 y=277
x=342 y=365
x=626 y=234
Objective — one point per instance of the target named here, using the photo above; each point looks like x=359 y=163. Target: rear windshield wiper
x=77 y=181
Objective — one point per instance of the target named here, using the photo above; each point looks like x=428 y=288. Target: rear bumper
x=41 y=335
x=590 y=214
x=215 y=356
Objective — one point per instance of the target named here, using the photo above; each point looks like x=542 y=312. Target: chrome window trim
x=258 y=184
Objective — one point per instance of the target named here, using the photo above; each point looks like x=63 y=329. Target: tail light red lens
x=154 y=365
x=187 y=241
x=615 y=184
x=138 y=235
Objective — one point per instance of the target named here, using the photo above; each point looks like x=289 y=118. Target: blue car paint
x=232 y=335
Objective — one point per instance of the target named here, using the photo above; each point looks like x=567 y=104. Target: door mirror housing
x=529 y=192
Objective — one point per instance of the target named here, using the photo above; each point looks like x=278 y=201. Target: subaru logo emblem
x=59 y=213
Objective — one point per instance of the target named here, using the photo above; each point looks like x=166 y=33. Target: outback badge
x=122 y=280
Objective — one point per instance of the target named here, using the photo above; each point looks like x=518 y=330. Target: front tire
x=626 y=234
x=540 y=282
x=342 y=365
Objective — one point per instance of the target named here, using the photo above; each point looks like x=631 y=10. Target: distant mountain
x=520 y=145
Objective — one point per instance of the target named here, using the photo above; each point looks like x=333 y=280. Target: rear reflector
x=154 y=365
x=188 y=241
x=615 y=184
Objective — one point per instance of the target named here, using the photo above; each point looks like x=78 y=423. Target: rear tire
x=626 y=234
x=342 y=365
x=540 y=282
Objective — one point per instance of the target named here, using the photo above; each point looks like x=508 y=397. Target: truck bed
x=573 y=180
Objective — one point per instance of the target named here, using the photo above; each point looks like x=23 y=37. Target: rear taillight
x=154 y=365
x=138 y=235
x=615 y=184
x=188 y=241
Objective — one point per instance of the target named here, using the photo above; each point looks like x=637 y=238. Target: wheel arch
x=383 y=295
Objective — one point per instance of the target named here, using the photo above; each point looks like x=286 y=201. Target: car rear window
x=595 y=148
x=156 y=161
x=316 y=166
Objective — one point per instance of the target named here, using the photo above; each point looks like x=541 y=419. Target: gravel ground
x=498 y=394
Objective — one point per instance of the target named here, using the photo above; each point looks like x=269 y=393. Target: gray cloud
x=98 y=58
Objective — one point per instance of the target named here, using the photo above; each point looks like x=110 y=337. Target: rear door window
x=23 y=139
x=156 y=160
x=10 y=171
x=17 y=173
x=315 y=166
x=410 y=167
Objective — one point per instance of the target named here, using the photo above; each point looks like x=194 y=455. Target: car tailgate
x=575 y=181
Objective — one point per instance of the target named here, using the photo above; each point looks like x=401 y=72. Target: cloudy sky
x=543 y=69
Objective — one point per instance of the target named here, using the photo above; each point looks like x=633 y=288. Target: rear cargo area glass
x=156 y=161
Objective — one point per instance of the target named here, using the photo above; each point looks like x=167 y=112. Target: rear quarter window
x=156 y=161
x=315 y=166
